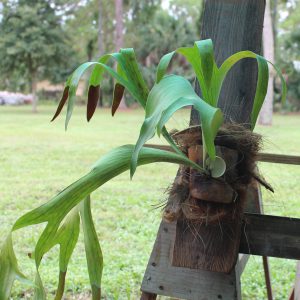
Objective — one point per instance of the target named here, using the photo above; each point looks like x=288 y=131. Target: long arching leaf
x=261 y=89
x=9 y=270
x=262 y=81
x=163 y=66
x=170 y=90
x=201 y=57
x=211 y=120
x=134 y=75
x=75 y=80
x=128 y=75
x=92 y=248
x=55 y=211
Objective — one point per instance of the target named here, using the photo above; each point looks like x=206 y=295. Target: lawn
x=38 y=159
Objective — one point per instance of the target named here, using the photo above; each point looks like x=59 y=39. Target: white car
x=7 y=98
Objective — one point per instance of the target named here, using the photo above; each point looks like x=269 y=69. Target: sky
x=165 y=4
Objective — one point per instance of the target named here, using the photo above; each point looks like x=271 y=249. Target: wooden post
x=233 y=25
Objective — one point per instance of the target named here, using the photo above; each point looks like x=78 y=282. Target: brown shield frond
x=62 y=102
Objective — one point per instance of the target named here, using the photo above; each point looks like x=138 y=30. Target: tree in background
x=119 y=41
x=33 y=44
x=266 y=113
x=153 y=31
x=100 y=28
x=288 y=49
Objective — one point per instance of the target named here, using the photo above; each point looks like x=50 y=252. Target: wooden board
x=271 y=236
x=207 y=247
x=164 y=279
x=212 y=247
x=263 y=157
x=279 y=158
x=233 y=25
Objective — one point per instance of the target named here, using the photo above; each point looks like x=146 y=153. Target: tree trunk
x=100 y=36
x=100 y=42
x=265 y=116
x=33 y=92
x=119 y=35
x=229 y=23
x=119 y=24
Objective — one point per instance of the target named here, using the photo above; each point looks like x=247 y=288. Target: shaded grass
x=39 y=158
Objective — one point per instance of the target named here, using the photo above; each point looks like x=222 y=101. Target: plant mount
x=170 y=93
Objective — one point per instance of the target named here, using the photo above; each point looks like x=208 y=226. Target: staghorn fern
x=170 y=93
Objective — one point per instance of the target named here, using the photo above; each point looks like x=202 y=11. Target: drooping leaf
x=167 y=93
x=92 y=248
x=205 y=48
x=93 y=97
x=261 y=89
x=211 y=120
x=201 y=57
x=54 y=211
x=117 y=97
x=127 y=75
x=52 y=235
x=77 y=75
x=262 y=81
x=134 y=75
x=112 y=164
x=9 y=270
x=39 y=291
x=119 y=89
x=98 y=72
x=62 y=102
x=283 y=83
x=211 y=78
x=163 y=66
x=66 y=237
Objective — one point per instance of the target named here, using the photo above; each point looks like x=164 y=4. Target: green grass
x=39 y=158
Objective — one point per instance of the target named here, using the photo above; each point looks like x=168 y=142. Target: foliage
x=124 y=213
x=168 y=95
x=33 y=43
x=159 y=40
x=288 y=47
x=290 y=62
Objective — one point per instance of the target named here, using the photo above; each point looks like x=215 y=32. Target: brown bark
x=100 y=40
x=234 y=26
x=100 y=35
x=119 y=35
x=265 y=116
x=230 y=24
x=33 y=90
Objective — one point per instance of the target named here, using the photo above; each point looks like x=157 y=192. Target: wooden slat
x=242 y=262
x=267 y=277
x=263 y=157
x=161 y=277
x=148 y=296
x=279 y=158
x=164 y=279
x=297 y=283
x=271 y=236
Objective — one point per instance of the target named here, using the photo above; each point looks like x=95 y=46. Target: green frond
x=166 y=97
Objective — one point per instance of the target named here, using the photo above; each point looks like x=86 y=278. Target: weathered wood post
x=235 y=25
x=179 y=265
